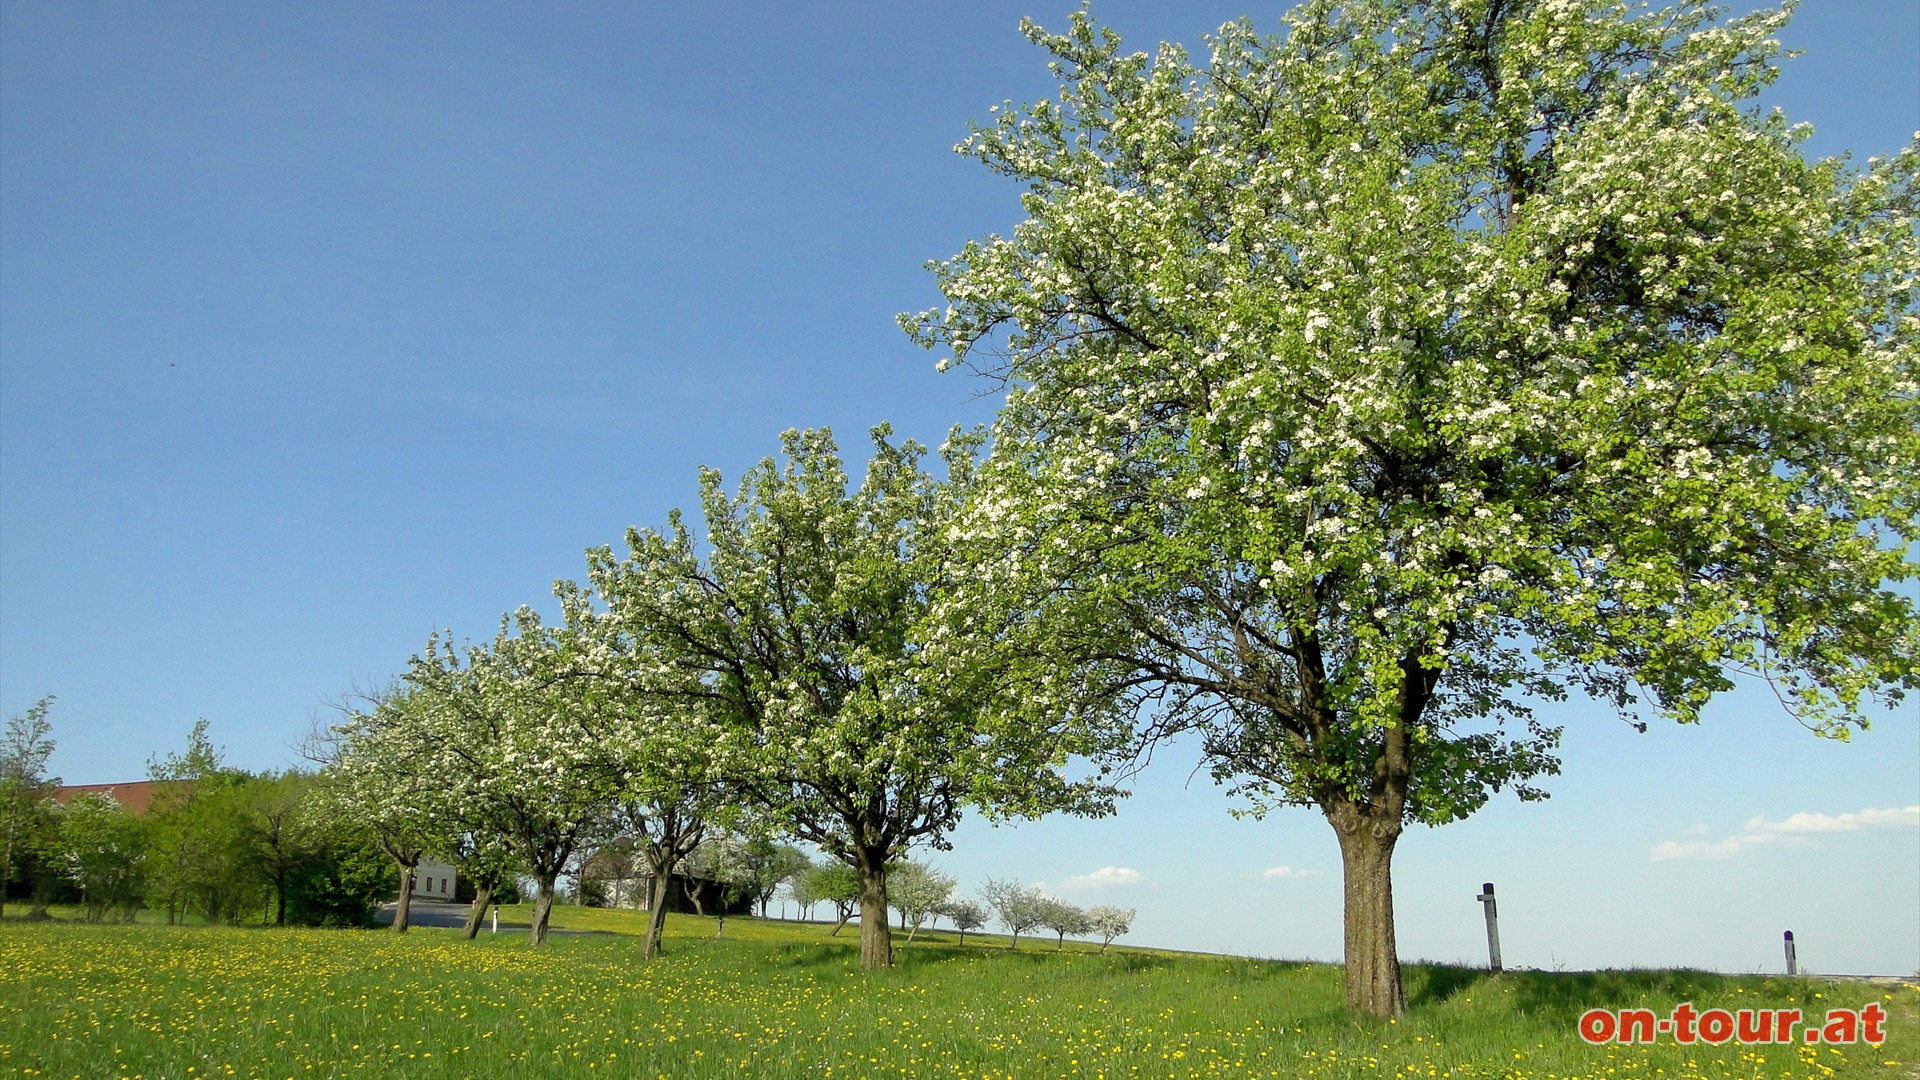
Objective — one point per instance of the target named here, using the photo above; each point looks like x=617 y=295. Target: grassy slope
x=781 y=999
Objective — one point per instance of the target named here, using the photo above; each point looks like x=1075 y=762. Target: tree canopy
x=1373 y=382
x=802 y=629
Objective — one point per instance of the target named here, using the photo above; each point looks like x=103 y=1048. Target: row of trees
x=792 y=675
x=752 y=871
x=214 y=842
x=1368 y=386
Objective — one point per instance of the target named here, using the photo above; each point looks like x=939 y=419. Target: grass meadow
x=778 y=999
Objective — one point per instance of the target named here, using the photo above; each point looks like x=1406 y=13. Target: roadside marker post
x=1793 y=958
x=1493 y=927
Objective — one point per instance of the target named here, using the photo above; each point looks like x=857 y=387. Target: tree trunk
x=405 y=902
x=844 y=912
x=656 y=916
x=477 y=911
x=692 y=889
x=1373 y=962
x=6 y=866
x=280 y=901
x=876 y=935
x=542 y=907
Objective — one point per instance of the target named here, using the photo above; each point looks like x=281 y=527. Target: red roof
x=135 y=797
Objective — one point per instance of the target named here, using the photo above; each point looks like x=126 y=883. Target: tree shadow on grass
x=1564 y=993
x=1570 y=993
x=809 y=956
x=1431 y=984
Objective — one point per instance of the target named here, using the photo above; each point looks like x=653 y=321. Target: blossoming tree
x=803 y=628
x=1372 y=382
x=516 y=739
x=381 y=777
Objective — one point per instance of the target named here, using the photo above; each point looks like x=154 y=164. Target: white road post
x=1493 y=927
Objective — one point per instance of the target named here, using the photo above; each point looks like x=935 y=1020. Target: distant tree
x=1017 y=907
x=768 y=865
x=917 y=891
x=26 y=791
x=608 y=873
x=382 y=777
x=1063 y=918
x=283 y=831
x=517 y=736
x=659 y=738
x=487 y=862
x=198 y=851
x=720 y=860
x=1109 y=922
x=965 y=915
x=668 y=810
x=102 y=849
x=833 y=883
x=800 y=887
x=345 y=881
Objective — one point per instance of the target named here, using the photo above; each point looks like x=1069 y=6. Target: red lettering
x=1843 y=1026
x=1637 y=1025
x=1755 y=1024
x=1683 y=1018
x=1873 y=1014
x=1716 y=1026
x=1597 y=1025
x=1784 y=1021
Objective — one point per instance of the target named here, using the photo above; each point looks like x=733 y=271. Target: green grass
x=782 y=1000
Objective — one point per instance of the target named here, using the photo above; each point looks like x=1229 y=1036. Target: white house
x=433 y=881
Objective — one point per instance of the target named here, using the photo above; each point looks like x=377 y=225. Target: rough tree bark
x=1366 y=858
x=402 y=904
x=280 y=898
x=876 y=935
x=656 y=912
x=542 y=907
x=476 y=911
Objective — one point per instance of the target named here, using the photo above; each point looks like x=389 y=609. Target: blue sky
x=324 y=326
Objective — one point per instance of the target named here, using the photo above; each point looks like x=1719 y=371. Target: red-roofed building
x=135 y=798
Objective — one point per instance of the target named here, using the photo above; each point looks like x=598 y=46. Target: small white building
x=433 y=881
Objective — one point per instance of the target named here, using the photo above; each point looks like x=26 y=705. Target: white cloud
x=1761 y=831
x=1287 y=872
x=1103 y=877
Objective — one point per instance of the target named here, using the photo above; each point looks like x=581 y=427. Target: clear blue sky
x=326 y=325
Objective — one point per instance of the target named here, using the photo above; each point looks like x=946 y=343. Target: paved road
x=435 y=913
